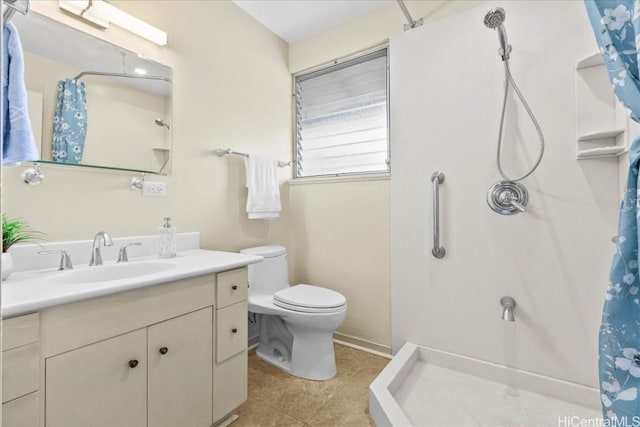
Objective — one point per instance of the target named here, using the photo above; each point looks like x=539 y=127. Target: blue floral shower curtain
x=69 y=122
x=616 y=24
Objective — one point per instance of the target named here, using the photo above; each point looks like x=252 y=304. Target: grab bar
x=437 y=178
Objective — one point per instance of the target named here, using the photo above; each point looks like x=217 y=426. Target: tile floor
x=279 y=399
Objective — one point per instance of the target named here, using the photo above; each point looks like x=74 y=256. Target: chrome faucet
x=508 y=304
x=122 y=255
x=96 y=254
x=65 y=259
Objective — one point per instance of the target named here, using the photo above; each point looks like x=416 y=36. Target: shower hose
x=509 y=80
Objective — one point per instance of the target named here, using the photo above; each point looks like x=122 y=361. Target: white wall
x=446 y=82
x=340 y=240
x=340 y=230
x=231 y=88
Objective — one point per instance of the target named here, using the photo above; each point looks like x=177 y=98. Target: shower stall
x=446 y=87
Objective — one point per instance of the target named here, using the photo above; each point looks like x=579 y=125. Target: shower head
x=494 y=20
x=161 y=122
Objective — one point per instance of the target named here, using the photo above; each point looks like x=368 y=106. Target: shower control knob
x=508 y=197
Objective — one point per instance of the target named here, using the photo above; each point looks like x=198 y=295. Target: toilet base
x=296 y=348
x=312 y=357
x=268 y=356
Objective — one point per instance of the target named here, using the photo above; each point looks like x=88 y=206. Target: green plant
x=17 y=231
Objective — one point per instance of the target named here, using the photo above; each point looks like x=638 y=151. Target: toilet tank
x=272 y=274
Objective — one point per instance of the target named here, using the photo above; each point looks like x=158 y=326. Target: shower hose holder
x=508 y=197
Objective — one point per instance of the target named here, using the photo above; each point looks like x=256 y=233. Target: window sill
x=337 y=179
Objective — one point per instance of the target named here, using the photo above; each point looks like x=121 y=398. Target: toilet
x=296 y=322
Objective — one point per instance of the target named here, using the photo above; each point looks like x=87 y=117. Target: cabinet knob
x=133 y=363
x=163 y=350
x=234 y=330
x=234 y=287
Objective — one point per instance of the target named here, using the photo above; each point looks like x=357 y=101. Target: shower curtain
x=69 y=122
x=616 y=24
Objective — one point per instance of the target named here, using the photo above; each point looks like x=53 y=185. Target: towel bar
x=221 y=152
x=12 y=8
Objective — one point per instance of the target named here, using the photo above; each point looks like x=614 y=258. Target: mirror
x=92 y=103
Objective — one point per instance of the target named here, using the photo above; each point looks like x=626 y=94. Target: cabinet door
x=102 y=384
x=181 y=371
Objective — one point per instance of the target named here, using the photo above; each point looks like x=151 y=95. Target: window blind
x=341 y=118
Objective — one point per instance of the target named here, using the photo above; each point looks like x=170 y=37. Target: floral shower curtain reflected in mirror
x=616 y=24
x=69 y=122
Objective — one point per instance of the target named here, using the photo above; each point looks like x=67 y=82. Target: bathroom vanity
x=147 y=354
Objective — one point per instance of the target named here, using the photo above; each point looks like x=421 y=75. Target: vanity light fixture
x=102 y=13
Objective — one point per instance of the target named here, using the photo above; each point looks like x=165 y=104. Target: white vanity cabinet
x=163 y=355
x=20 y=371
x=160 y=376
x=230 y=368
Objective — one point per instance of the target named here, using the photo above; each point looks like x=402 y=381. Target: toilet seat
x=309 y=299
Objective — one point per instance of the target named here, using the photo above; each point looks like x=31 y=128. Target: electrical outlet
x=154 y=189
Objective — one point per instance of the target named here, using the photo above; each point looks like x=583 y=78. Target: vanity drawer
x=230 y=386
x=22 y=412
x=19 y=331
x=20 y=371
x=232 y=287
x=230 y=319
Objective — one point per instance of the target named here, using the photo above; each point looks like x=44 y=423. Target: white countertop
x=30 y=291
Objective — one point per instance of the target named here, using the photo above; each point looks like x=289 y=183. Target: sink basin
x=104 y=273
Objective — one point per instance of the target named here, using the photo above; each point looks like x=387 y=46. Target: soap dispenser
x=167 y=234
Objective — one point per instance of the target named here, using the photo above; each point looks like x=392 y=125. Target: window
x=341 y=118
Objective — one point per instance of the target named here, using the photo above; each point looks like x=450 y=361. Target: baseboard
x=347 y=340
x=361 y=344
x=228 y=420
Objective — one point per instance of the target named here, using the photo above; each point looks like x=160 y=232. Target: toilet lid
x=309 y=298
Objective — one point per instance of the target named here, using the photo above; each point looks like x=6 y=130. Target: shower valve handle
x=518 y=206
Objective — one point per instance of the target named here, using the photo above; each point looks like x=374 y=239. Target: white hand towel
x=263 y=198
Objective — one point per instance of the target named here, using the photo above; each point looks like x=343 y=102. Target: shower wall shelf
x=590 y=61
x=602 y=123
x=595 y=136
x=600 y=152
x=160 y=159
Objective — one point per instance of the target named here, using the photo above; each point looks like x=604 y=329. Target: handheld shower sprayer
x=509 y=196
x=161 y=122
x=494 y=20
